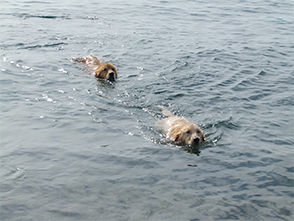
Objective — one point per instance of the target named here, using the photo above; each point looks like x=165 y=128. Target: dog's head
x=189 y=134
x=106 y=71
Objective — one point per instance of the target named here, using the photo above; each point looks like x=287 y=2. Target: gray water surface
x=74 y=148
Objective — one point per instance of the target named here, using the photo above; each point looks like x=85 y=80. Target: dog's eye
x=112 y=69
x=105 y=69
x=188 y=131
x=198 y=131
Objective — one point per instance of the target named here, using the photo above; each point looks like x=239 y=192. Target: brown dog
x=179 y=130
x=100 y=70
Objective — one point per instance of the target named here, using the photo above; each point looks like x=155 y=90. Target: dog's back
x=166 y=112
x=90 y=61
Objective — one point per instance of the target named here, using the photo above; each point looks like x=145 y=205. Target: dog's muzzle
x=111 y=76
x=196 y=141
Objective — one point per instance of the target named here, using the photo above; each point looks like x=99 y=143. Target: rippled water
x=74 y=148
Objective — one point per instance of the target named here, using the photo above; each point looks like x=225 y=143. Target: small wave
x=43 y=46
x=259 y=95
x=278 y=142
x=254 y=80
x=26 y=16
x=285 y=101
x=17 y=173
x=65 y=213
x=225 y=123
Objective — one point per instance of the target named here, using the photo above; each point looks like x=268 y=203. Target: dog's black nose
x=111 y=77
x=196 y=140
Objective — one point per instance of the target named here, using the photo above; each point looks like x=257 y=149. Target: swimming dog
x=180 y=130
x=100 y=70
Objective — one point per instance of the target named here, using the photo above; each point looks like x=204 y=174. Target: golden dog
x=179 y=130
x=100 y=70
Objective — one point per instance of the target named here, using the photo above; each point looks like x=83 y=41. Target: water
x=74 y=148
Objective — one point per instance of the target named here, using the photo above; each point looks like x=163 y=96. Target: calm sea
x=74 y=148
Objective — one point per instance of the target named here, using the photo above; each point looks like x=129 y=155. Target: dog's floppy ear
x=98 y=71
x=177 y=137
x=203 y=138
x=175 y=134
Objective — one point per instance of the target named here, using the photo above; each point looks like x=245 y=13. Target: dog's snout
x=111 y=76
x=196 y=140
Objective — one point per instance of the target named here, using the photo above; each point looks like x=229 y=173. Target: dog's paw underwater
x=100 y=70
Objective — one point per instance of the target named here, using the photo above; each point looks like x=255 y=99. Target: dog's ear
x=177 y=137
x=114 y=68
x=98 y=72
x=203 y=137
x=175 y=134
